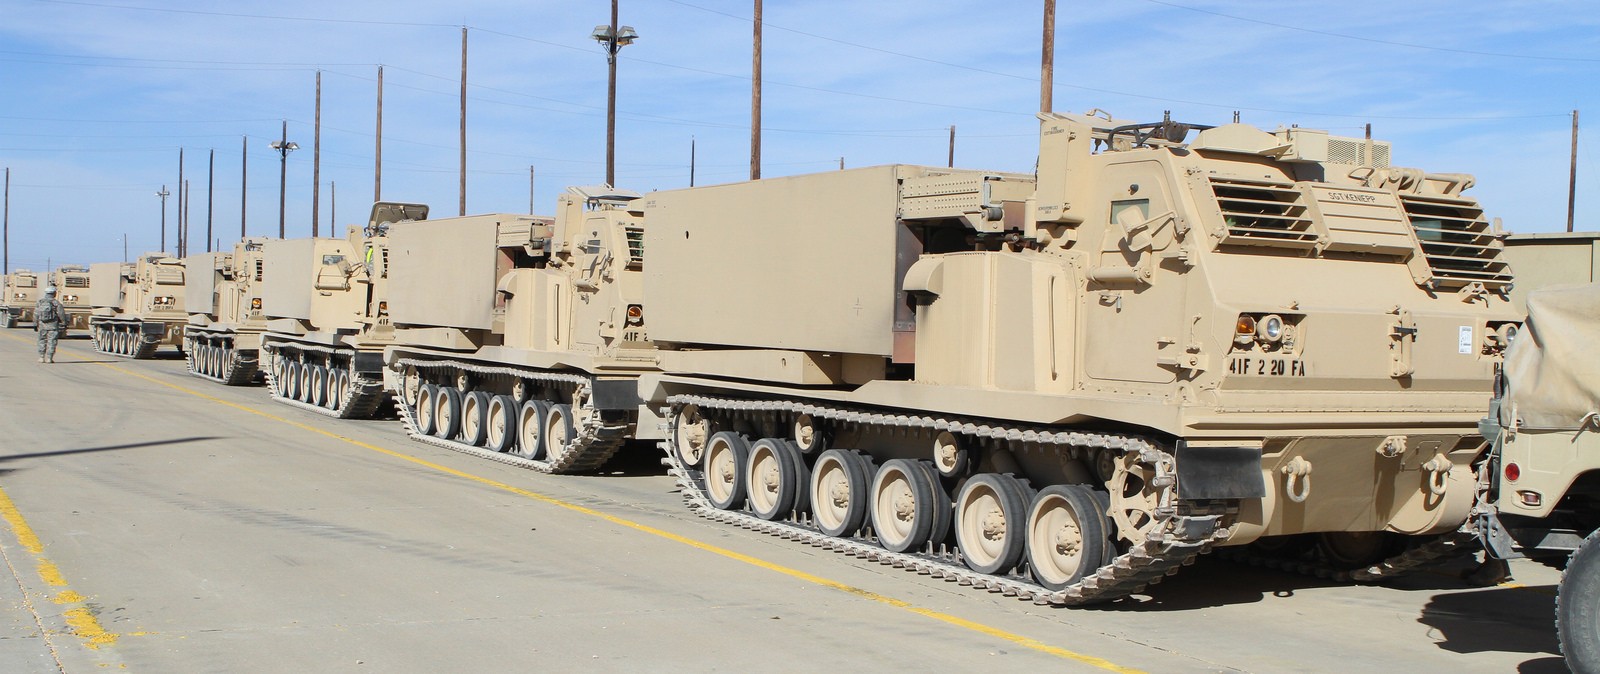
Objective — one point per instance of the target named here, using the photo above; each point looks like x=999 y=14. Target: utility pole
x=284 y=147
x=124 y=247
x=613 y=38
x=333 y=207
x=755 y=100
x=463 y=120
x=1572 y=173
x=6 y=245
x=244 y=170
x=841 y=163
x=316 y=162
x=377 y=161
x=691 y=161
x=1047 y=64
x=163 y=194
x=530 y=189
x=211 y=184
x=181 y=183
x=952 y=160
x=183 y=232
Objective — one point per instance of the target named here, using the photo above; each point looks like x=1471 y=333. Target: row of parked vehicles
x=1062 y=386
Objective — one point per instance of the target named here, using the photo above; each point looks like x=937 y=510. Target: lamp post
x=163 y=194
x=613 y=38
x=284 y=147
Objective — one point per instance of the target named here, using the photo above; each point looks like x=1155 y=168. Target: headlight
x=635 y=314
x=1270 y=328
x=255 y=304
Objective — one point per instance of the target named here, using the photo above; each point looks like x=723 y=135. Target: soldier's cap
x=50 y=290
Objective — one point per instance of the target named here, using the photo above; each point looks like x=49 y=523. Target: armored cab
x=1547 y=259
x=1154 y=346
x=1543 y=479
x=72 y=289
x=138 y=306
x=327 y=314
x=520 y=335
x=223 y=297
x=20 y=291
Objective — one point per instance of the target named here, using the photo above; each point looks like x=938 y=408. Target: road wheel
x=558 y=430
x=905 y=505
x=775 y=478
x=1578 y=607
x=475 y=418
x=727 y=453
x=1067 y=535
x=991 y=522
x=338 y=388
x=530 y=429
x=427 y=404
x=318 y=393
x=839 y=483
x=447 y=412
x=501 y=429
x=690 y=432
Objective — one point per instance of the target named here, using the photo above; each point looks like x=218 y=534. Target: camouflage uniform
x=49 y=331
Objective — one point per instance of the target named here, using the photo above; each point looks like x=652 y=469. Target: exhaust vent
x=635 y=247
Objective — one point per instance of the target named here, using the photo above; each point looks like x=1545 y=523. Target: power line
x=1358 y=38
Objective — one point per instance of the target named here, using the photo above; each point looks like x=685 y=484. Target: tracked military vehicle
x=1066 y=386
x=72 y=289
x=328 y=316
x=1542 y=496
x=138 y=306
x=20 y=291
x=1062 y=386
x=520 y=337
x=222 y=295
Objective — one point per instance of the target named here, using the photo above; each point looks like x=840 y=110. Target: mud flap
x=1219 y=472
x=1496 y=540
x=153 y=328
x=615 y=394
x=368 y=362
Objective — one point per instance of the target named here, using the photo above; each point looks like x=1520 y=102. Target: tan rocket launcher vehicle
x=222 y=294
x=19 y=290
x=1062 y=386
x=72 y=289
x=138 y=306
x=328 y=316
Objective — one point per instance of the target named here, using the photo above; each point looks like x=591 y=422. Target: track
x=595 y=443
x=1175 y=543
x=239 y=370
x=143 y=347
x=362 y=400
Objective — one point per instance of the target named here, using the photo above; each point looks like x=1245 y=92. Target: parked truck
x=1542 y=496
x=138 y=306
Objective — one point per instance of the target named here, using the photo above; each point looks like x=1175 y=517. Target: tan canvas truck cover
x=1551 y=370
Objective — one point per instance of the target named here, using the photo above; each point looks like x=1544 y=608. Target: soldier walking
x=48 y=318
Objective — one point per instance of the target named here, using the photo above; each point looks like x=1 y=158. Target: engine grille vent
x=1456 y=240
x=1261 y=213
x=77 y=281
x=635 y=247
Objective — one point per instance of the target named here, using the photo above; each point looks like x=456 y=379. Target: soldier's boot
x=41 y=359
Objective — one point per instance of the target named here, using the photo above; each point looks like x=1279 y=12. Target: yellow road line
x=946 y=618
x=81 y=621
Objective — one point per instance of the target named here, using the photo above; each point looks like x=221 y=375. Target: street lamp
x=284 y=147
x=163 y=194
x=613 y=38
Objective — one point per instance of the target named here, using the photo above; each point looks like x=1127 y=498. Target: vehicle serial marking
x=1258 y=366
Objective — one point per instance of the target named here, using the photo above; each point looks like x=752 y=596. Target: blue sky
x=99 y=95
